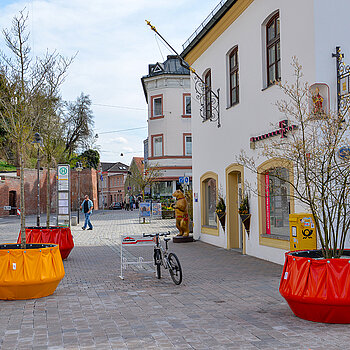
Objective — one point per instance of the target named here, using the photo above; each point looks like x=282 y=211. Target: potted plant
x=221 y=210
x=244 y=213
x=168 y=211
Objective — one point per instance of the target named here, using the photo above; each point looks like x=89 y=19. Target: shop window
x=208 y=194
x=277 y=202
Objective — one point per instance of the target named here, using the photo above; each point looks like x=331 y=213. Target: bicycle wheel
x=157 y=263
x=175 y=268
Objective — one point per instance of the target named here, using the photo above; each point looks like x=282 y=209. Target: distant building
x=136 y=169
x=111 y=183
x=169 y=143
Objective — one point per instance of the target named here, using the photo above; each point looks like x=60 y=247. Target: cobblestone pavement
x=226 y=300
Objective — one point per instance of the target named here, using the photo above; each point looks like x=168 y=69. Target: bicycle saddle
x=167 y=239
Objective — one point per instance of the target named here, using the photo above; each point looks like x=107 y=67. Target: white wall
x=214 y=148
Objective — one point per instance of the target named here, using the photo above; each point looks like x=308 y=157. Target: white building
x=243 y=48
x=169 y=143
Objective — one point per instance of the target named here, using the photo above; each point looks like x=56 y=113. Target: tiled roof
x=114 y=167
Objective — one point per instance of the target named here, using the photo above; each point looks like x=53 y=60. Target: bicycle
x=162 y=258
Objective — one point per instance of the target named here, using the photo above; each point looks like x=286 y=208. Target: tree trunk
x=48 y=197
x=22 y=205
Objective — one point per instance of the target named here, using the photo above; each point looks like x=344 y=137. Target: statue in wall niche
x=317 y=100
x=181 y=214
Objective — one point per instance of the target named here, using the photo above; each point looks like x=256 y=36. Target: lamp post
x=78 y=168
x=37 y=142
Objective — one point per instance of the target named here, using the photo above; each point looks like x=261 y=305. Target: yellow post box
x=302 y=232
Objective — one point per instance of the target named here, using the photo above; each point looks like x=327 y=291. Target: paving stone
x=226 y=300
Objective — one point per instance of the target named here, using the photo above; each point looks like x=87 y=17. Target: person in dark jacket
x=87 y=207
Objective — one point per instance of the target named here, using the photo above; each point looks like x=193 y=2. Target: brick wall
x=30 y=191
x=88 y=185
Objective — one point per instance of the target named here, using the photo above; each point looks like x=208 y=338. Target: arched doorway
x=234 y=189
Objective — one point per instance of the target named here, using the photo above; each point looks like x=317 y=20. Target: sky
x=114 y=47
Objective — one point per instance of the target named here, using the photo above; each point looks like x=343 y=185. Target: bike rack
x=129 y=259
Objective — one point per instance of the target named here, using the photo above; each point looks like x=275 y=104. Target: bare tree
x=25 y=81
x=321 y=174
x=143 y=178
x=78 y=123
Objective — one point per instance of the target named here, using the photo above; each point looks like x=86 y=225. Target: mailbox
x=302 y=232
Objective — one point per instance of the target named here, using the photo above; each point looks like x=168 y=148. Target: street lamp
x=37 y=142
x=78 y=168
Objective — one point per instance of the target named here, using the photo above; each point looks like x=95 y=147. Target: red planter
x=317 y=289
x=55 y=234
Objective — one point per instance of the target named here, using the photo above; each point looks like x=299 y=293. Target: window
x=187 y=105
x=157 y=106
x=210 y=202
x=273 y=50
x=157 y=145
x=207 y=95
x=277 y=201
x=187 y=145
x=234 y=82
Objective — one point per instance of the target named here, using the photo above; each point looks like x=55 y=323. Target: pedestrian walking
x=127 y=202
x=131 y=199
x=87 y=207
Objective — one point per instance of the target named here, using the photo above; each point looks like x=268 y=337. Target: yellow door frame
x=232 y=172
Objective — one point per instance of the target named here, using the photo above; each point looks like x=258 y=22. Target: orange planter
x=54 y=234
x=29 y=273
x=317 y=289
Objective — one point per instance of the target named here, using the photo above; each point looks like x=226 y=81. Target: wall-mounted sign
x=283 y=130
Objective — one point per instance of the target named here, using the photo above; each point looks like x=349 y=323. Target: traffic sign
x=181 y=179
x=7 y=207
x=186 y=180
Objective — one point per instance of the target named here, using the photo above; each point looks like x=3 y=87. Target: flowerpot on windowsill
x=33 y=272
x=222 y=217
x=245 y=218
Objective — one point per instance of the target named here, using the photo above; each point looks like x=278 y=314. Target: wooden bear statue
x=181 y=214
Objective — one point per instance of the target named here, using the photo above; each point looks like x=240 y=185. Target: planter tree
x=321 y=173
x=25 y=81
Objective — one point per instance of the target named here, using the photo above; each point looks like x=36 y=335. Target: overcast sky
x=114 y=48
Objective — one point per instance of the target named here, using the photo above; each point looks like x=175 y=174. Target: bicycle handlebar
x=155 y=234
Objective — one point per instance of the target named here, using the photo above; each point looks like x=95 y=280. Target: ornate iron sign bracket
x=343 y=83
x=204 y=93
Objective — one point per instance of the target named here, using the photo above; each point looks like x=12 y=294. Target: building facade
x=169 y=143
x=243 y=50
x=111 y=183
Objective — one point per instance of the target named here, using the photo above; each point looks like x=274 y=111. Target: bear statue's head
x=178 y=194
